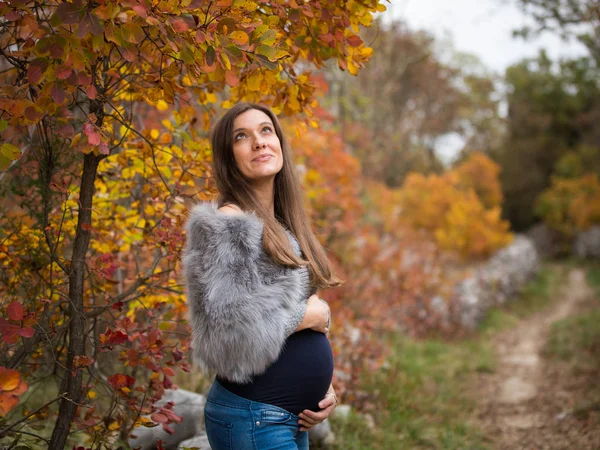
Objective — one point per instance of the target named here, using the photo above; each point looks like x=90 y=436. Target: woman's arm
x=317 y=315
x=238 y=323
x=309 y=419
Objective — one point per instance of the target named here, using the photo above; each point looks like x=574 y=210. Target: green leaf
x=268 y=37
x=267 y=51
x=3 y=125
x=210 y=56
x=8 y=153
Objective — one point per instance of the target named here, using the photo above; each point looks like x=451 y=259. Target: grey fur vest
x=241 y=305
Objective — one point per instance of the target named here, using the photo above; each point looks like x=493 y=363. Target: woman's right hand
x=317 y=316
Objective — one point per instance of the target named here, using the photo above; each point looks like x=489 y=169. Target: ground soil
x=530 y=401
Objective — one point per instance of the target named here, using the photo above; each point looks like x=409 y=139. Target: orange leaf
x=7 y=402
x=9 y=379
x=231 y=78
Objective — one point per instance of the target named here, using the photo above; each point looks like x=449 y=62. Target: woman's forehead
x=251 y=119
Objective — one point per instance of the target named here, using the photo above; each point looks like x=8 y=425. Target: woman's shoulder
x=224 y=226
x=231 y=210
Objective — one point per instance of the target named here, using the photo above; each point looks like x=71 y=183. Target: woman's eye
x=267 y=129
x=239 y=136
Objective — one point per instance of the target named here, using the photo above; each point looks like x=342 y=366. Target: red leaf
x=104 y=150
x=58 y=93
x=200 y=37
x=179 y=25
x=84 y=79
x=66 y=131
x=177 y=355
x=91 y=92
x=82 y=361
x=159 y=418
x=140 y=10
x=35 y=70
x=70 y=13
x=92 y=135
x=63 y=72
x=32 y=114
x=26 y=332
x=231 y=78
x=354 y=40
x=12 y=16
x=120 y=380
x=15 y=311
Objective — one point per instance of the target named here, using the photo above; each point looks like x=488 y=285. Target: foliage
x=461 y=208
x=553 y=109
x=393 y=113
x=570 y=205
x=418 y=399
x=381 y=284
x=105 y=108
x=578 y=18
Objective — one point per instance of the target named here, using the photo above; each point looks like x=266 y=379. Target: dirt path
x=527 y=402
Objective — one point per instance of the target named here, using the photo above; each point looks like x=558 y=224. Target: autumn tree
x=553 y=111
x=570 y=18
x=394 y=113
x=104 y=113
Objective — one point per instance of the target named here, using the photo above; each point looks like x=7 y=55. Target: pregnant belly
x=298 y=380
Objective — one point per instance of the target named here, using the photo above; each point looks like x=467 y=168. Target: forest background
x=105 y=113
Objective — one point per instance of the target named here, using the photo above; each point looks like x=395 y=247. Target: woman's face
x=256 y=147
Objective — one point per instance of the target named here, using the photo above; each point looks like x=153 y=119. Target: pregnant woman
x=252 y=266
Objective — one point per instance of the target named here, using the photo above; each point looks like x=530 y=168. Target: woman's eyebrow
x=260 y=124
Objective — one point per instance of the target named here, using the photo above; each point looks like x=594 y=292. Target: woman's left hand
x=309 y=419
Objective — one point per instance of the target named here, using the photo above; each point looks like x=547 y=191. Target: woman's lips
x=262 y=158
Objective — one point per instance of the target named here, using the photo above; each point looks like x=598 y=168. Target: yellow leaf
x=226 y=61
x=161 y=105
x=253 y=82
x=154 y=133
x=239 y=37
x=91 y=394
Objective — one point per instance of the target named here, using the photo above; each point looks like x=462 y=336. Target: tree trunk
x=72 y=381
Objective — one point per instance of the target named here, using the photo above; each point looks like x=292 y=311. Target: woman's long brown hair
x=235 y=188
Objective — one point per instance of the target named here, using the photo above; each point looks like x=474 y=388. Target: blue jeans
x=236 y=423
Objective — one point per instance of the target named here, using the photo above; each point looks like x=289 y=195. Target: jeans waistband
x=218 y=394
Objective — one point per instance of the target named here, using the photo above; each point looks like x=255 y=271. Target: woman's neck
x=265 y=195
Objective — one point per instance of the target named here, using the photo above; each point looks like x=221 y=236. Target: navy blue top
x=298 y=380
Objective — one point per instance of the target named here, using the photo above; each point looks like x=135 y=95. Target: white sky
x=481 y=27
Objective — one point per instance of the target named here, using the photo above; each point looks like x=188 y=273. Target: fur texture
x=241 y=305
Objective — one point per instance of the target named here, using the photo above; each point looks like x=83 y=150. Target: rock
x=200 y=441
x=587 y=243
x=189 y=406
x=354 y=334
x=546 y=241
x=342 y=412
x=320 y=432
x=497 y=281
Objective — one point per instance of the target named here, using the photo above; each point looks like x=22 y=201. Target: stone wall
x=496 y=281
x=587 y=243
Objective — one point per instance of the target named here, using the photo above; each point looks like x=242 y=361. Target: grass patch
x=419 y=396
x=535 y=296
x=593 y=278
x=576 y=340
x=418 y=399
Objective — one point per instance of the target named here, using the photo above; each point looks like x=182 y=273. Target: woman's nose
x=259 y=142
